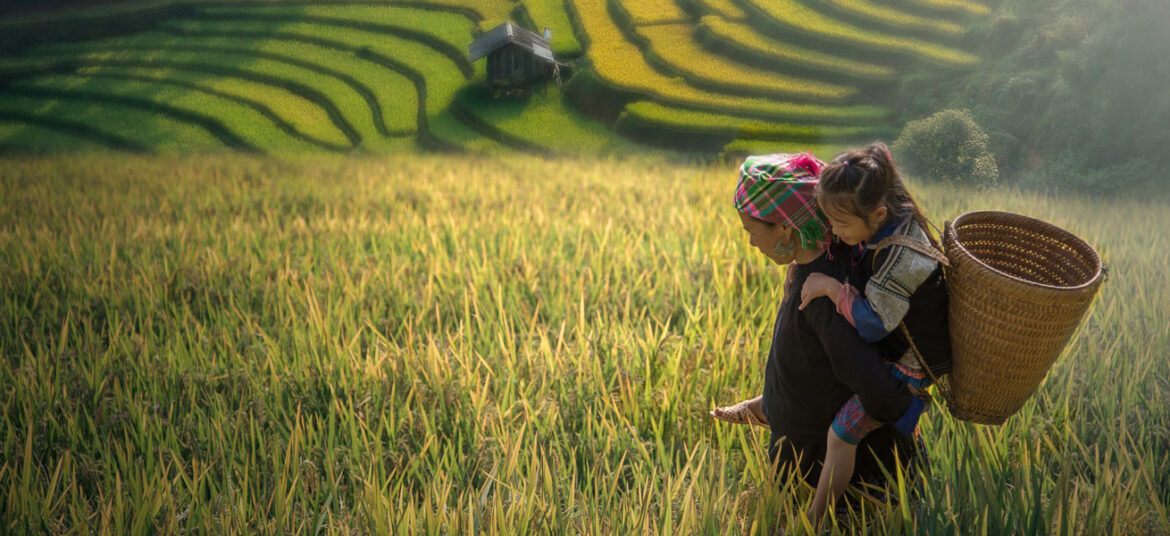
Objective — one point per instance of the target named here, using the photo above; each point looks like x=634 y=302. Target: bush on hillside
x=947 y=146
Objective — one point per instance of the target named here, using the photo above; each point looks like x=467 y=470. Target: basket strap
x=945 y=388
x=907 y=242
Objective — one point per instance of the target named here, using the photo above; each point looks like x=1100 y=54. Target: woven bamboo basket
x=1018 y=289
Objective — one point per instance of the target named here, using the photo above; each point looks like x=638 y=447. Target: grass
x=440 y=345
x=675 y=45
x=797 y=17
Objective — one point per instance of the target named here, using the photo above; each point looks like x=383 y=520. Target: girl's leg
x=840 y=457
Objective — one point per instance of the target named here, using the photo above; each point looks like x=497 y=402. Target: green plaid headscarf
x=781 y=188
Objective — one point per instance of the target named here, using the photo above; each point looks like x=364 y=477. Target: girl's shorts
x=852 y=423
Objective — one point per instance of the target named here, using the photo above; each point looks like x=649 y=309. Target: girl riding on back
x=866 y=203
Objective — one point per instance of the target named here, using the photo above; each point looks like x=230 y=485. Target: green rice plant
x=449 y=33
x=26 y=133
x=674 y=45
x=551 y=14
x=373 y=29
x=394 y=95
x=242 y=92
x=490 y=12
x=138 y=126
x=796 y=17
x=542 y=122
x=342 y=101
x=436 y=76
x=619 y=63
x=744 y=37
x=442 y=344
x=242 y=121
x=871 y=12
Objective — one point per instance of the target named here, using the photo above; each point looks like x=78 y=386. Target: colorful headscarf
x=781 y=188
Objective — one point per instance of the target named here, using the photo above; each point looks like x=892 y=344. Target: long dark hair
x=861 y=180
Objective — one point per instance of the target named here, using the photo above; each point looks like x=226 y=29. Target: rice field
x=383 y=77
x=794 y=16
x=442 y=344
x=674 y=45
x=869 y=10
x=748 y=40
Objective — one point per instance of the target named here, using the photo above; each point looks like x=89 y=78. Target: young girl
x=866 y=202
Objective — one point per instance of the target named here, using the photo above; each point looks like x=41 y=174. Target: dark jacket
x=817 y=362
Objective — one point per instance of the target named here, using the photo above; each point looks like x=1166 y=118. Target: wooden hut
x=516 y=57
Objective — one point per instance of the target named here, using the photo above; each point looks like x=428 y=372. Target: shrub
x=947 y=146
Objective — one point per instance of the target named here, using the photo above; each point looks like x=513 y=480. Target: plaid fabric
x=781 y=188
x=852 y=423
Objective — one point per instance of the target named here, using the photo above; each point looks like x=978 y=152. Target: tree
x=947 y=146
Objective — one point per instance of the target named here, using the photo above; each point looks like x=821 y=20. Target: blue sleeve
x=869 y=324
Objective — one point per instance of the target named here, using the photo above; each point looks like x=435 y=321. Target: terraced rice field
x=377 y=77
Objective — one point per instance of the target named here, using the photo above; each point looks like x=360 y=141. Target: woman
x=817 y=360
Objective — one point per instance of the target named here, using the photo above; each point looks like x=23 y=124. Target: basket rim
x=1099 y=265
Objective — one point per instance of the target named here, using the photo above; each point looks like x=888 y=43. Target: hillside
x=706 y=76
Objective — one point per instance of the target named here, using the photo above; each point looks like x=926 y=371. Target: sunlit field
x=456 y=345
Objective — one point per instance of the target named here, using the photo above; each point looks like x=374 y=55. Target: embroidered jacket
x=903 y=285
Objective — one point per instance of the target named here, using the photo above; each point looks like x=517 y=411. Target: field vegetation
x=792 y=16
x=649 y=12
x=674 y=46
x=438 y=344
x=746 y=40
x=870 y=12
x=551 y=14
x=386 y=77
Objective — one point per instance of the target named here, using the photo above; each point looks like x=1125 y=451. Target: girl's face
x=850 y=228
x=766 y=235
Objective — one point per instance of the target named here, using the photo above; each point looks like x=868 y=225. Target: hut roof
x=510 y=33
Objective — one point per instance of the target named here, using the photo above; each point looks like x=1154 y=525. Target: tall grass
x=433 y=345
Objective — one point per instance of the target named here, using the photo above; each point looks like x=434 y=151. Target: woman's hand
x=817 y=285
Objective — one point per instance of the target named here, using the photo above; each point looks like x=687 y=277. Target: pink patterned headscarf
x=781 y=188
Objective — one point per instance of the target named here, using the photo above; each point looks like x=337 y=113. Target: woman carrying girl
x=866 y=203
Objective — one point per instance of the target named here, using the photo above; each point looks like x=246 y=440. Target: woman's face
x=765 y=236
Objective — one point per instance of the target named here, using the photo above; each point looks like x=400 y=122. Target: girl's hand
x=818 y=285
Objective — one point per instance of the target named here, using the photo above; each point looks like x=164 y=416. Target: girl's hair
x=859 y=181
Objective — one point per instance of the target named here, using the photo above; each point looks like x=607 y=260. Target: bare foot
x=746 y=412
